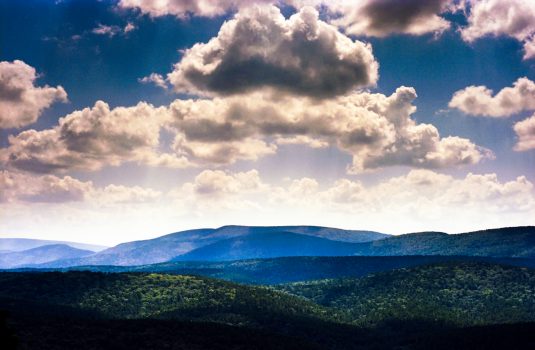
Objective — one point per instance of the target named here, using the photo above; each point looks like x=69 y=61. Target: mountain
x=460 y=293
x=166 y=247
x=268 y=245
x=244 y=242
x=294 y=269
x=502 y=242
x=19 y=244
x=40 y=255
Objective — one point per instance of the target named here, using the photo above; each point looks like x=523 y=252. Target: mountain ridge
x=20 y=244
x=40 y=255
x=165 y=248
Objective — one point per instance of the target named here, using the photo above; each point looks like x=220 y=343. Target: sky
x=129 y=119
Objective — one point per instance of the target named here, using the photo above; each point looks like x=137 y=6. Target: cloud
x=155 y=79
x=381 y=18
x=103 y=29
x=112 y=30
x=222 y=152
x=214 y=183
x=377 y=130
x=124 y=194
x=422 y=188
x=419 y=199
x=513 y=18
x=301 y=140
x=360 y=17
x=478 y=100
x=184 y=8
x=525 y=130
x=260 y=49
x=129 y=27
x=90 y=139
x=22 y=187
x=21 y=102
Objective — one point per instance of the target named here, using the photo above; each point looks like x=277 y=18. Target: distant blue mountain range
x=19 y=244
x=167 y=247
x=40 y=255
x=243 y=242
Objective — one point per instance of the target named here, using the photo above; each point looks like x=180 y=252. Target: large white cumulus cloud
x=23 y=187
x=513 y=18
x=90 y=139
x=49 y=188
x=479 y=100
x=21 y=102
x=259 y=49
x=375 y=129
x=525 y=130
x=358 y=17
x=381 y=18
x=184 y=8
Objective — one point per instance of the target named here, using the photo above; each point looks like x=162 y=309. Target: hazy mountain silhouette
x=20 y=244
x=41 y=255
x=166 y=247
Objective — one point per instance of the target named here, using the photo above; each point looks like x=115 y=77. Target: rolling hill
x=460 y=293
x=166 y=247
x=40 y=255
x=502 y=242
x=136 y=296
x=425 y=307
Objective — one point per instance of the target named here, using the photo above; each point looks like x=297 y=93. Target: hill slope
x=131 y=296
x=503 y=242
x=167 y=247
x=40 y=255
x=417 y=308
x=465 y=293
x=268 y=245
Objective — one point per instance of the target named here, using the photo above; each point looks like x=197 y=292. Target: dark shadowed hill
x=425 y=307
x=167 y=247
x=299 y=268
x=41 y=255
x=134 y=296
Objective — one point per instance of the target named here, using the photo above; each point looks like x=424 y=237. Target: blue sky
x=59 y=40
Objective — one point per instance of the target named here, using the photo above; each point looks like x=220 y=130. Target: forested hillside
x=465 y=293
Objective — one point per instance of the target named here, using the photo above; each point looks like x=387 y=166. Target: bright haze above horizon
x=129 y=119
